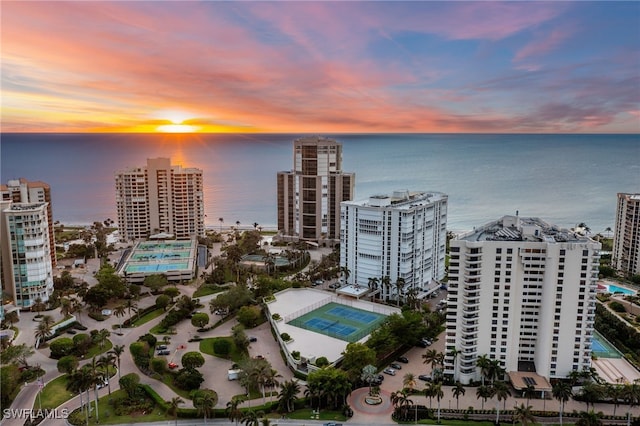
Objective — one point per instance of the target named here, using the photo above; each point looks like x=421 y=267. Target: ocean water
x=563 y=179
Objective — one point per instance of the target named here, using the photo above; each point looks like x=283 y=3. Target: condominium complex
x=24 y=191
x=27 y=273
x=522 y=292
x=309 y=196
x=395 y=238
x=160 y=199
x=626 y=240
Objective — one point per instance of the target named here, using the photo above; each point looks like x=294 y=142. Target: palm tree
x=483 y=392
x=106 y=361
x=118 y=350
x=458 y=390
x=438 y=393
x=615 y=394
x=102 y=336
x=251 y=418
x=400 y=283
x=80 y=382
x=523 y=415
x=232 y=410
x=386 y=283
x=131 y=305
x=65 y=307
x=501 y=392
x=430 y=392
x=454 y=352
x=120 y=311
x=495 y=370
x=529 y=392
x=562 y=392
x=288 y=392
x=221 y=220
x=591 y=393
x=369 y=373
x=409 y=381
x=434 y=358
x=483 y=363
x=96 y=378
x=631 y=396
x=77 y=307
x=43 y=331
x=205 y=401
x=173 y=407
x=589 y=418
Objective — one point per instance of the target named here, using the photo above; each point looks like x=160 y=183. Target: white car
x=389 y=371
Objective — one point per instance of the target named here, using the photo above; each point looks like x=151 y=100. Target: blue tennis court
x=351 y=314
x=603 y=349
x=322 y=325
x=340 y=321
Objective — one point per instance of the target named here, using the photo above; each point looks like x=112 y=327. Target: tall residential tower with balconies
x=522 y=292
x=626 y=239
x=396 y=241
x=309 y=195
x=25 y=251
x=160 y=198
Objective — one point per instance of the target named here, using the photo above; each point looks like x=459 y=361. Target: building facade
x=521 y=292
x=27 y=272
x=399 y=237
x=24 y=191
x=626 y=238
x=309 y=195
x=160 y=198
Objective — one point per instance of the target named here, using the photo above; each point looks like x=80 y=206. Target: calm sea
x=563 y=179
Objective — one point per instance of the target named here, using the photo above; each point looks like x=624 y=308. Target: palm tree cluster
x=91 y=376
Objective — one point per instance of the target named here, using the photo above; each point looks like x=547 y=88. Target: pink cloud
x=543 y=45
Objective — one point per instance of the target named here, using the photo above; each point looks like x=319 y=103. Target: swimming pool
x=602 y=348
x=615 y=289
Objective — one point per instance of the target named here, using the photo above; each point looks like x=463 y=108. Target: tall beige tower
x=626 y=239
x=160 y=198
x=309 y=195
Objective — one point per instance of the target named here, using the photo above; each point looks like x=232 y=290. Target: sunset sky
x=365 y=67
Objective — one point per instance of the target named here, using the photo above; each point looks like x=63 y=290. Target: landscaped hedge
x=617 y=331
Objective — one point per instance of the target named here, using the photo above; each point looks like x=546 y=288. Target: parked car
x=318 y=282
x=403 y=359
x=164 y=352
x=334 y=285
x=160 y=347
x=422 y=344
x=424 y=377
x=253 y=339
x=380 y=377
x=332 y=424
x=102 y=384
x=389 y=371
x=172 y=365
x=395 y=366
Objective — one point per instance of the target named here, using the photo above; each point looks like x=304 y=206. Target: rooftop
x=403 y=199
x=516 y=228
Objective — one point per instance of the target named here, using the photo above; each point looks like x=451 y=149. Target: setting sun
x=177 y=128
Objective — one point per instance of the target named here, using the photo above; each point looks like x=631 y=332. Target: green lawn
x=96 y=350
x=207 y=289
x=206 y=346
x=307 y=414
x=53 y=394
x=148 y=317
x=108 y=418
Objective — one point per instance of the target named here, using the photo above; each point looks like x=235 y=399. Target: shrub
x=249 y=316
x=285 y=337
x=149 y=338
x=199 y=319
x=129 y=383
x=158 y=365
x=192 y=360
x=61 y=347
x=617 y=306
x=67 y=364
x=188 y=379
x=276 y=317
x=322 y=362
x=139 y=349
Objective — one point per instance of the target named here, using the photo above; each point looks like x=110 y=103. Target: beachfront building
x=25 y=251
x=309 y=195
x=626 y=239
x=521 y=292
x=395 y=239
x=160 y=199
x=25 y=191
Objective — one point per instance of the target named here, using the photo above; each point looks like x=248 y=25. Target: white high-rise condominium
x=27 y=274
x=626 y=239
x=522 y=292
x=398 y=238
x=309 y=196
x=160 y=198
